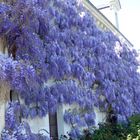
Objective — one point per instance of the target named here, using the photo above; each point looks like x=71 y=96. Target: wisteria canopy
x=58 y=55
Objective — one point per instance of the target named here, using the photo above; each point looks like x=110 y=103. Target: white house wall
x=100 y=116
x=2 y=104
x=39 y=125
x=2 y=116
x=64 y=128
x=4 y=95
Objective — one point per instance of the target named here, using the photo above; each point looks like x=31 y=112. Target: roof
x=98 y=15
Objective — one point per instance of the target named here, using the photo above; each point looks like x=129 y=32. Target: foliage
x=135 y=120
x=107 y=132
x=119 y=131
x=57 y=55
x=134 y=125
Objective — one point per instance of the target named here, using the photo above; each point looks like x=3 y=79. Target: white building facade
x=55 y=125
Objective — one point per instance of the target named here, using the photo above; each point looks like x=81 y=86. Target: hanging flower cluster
x=14 y=130
x=60 y=56
x=16 y=73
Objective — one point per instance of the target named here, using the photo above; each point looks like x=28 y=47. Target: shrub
x=108 y=131
x=119 y=131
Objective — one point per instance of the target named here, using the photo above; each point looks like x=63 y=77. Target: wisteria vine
x=57 y=55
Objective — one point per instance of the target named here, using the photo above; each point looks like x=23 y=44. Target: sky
x=128 y=17
x=129 y=21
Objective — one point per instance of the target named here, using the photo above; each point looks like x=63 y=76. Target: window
x=15 y=97
x=53 y=126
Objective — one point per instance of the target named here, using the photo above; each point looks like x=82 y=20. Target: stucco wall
x=4 y=96
x=38 y=124
x=2 y=115
x=100 y=116
x=4 y=92
x=64 y=128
